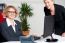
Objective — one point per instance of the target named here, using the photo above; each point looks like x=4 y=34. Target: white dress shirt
x=11 y=24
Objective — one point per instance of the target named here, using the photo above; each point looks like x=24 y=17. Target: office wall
x=61 y=2
x=37 y=20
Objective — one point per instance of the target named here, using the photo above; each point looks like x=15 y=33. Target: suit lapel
x=17 y=29
x=16 y=26
x=11 y=31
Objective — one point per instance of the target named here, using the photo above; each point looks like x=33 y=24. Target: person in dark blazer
x=58 y=12
x=10 y=28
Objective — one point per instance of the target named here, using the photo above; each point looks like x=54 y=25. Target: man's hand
x=63 y=34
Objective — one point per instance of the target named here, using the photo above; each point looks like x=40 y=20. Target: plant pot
x=25 y=33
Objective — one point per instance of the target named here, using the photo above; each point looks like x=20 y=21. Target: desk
x=42 y=40
x=12 y=42
x=60 y=39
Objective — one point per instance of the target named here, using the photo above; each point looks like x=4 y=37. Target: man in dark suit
x=10 y=28
x=58 y=12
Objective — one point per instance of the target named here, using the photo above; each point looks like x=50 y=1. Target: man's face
x=11 y=13
x=49 y=3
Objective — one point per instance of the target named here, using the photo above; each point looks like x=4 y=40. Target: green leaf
x=25 y=12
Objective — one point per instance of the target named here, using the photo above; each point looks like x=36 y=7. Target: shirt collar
x=9 y=23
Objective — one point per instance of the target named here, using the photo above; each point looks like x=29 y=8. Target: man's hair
x=6 y=10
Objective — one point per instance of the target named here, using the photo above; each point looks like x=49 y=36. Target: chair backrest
x=24 y=39
x=48 y=26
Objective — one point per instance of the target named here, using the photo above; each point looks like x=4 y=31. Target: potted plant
x=25 y=12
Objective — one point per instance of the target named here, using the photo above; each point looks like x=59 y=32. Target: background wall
x=37 y=20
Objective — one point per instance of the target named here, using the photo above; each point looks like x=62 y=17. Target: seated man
x=10 y=28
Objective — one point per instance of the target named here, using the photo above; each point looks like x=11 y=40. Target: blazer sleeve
x=63 y=13
x=3 y=32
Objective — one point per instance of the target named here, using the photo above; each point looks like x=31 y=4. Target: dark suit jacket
x=59 y=18
x=8 y=32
